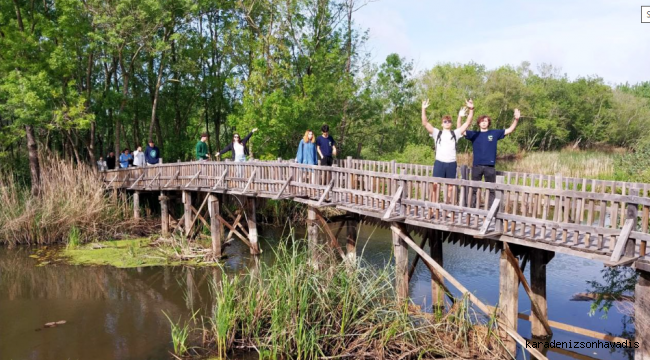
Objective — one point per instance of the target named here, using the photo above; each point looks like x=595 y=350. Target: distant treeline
x=83 y=78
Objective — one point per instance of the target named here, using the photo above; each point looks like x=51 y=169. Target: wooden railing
x=597 y=219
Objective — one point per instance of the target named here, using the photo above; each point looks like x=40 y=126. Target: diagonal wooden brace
x=136 y=181
x=393 y=202
x=284 y=186
x=490 y=216
x=327 y=190
x=622 y=240
x=221 y=179
x=522 y=279
x=173 y=178
x=193 y=178
x=250 y=181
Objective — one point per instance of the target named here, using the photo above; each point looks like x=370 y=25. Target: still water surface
x=118 y=314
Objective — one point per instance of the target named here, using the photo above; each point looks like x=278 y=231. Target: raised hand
x=254 y=130
x=517 y=114
x=425 y=104
x=469 y=104
x=462 y=112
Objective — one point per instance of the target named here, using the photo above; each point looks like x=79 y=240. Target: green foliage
x=74 y=238
x=289 y=309
x=412 y=154
x=634 y=166
x=617 y=281
x=86 y=76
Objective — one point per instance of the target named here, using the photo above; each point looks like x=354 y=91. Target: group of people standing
x=484 y=143
x=149 y=157
x=323 y=147
x=310 y=149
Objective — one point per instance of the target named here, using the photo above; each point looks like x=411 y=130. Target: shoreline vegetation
x=288 y=309
x=72 y=206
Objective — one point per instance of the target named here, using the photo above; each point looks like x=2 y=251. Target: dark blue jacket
x=152 y=155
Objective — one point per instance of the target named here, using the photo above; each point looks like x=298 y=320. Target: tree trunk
x=34 y=166
x=91 y=140
x=155 y=96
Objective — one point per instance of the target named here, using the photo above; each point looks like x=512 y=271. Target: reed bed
x=289 y=310
x=588 y=164
x=72 y=202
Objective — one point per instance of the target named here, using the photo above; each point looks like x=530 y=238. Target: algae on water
x=123 y=254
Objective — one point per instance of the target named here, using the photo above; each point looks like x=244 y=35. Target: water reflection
x=118 y=314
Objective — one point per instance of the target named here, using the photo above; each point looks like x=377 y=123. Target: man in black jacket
x=110 y=161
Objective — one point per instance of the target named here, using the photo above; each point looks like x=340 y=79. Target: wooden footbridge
x=525 y=217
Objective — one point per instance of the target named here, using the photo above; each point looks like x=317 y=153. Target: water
x=118 y=314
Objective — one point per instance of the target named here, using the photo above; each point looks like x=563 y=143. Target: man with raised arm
x=445 y=140
x=485 y=150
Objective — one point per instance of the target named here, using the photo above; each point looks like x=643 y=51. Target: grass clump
x=576 y=163
x=290 y=310
x=72 y=202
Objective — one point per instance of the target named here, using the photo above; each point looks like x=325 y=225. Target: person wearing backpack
x=445 y=140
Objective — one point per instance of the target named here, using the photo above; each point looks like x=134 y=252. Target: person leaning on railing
x=201 y=148
x=237 y=147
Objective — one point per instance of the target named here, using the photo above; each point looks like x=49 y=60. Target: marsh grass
x=289 y=310
x=180 y=334
x=72 y=202
x=570 y=163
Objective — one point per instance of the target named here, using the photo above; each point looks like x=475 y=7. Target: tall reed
x=289 y=310
x=570 y=163
x=72 y=197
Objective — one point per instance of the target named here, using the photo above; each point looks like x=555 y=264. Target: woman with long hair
x=307 y=149
x=237 y=147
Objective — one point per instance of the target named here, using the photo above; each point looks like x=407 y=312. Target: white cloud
x=605 y=38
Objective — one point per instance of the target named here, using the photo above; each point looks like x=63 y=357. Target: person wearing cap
x=202 y=148
x=151 y=154
x=237 y=147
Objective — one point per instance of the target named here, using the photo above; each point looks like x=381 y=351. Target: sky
x=602 y=38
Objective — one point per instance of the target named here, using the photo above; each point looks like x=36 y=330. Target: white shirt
x=138 y=158
x=239 y=149
x=446 y=147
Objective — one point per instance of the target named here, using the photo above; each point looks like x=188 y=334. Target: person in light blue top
x=307 y=150
x=126 y=158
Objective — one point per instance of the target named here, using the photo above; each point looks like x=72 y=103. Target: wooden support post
x=538 y=261
x=164 y=215
x=498 y=223
x=642 y=315
x=136 y=205
x=351 y=240
x=401 y=267
x=252 y=225
x=187 y=210
x=437 y=292
x=631 y=213
x=479 y=304
x=508 y=298
x=312 y=237
x=216 y=229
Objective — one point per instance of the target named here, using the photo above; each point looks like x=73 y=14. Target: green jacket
x=201 y=150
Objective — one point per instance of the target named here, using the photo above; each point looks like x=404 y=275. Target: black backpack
x=453 y=136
